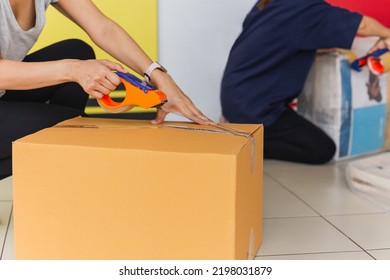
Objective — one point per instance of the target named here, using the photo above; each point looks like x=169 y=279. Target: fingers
x=113 y=66
x=184 y=108
x=181 y=104
x=190 y=111
x=197 y=116
x=102 y=85
x=161 y=114
x=385 y=43
x=380 y=44
x=97 y=77
x=111 y=80
x=322 y=51
x=375 y=48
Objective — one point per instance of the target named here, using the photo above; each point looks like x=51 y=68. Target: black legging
x=293 y=138
x=23 y=112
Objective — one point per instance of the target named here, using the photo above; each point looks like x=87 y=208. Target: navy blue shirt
x=270 y=60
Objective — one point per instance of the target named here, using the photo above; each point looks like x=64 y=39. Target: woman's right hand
x=96 y=77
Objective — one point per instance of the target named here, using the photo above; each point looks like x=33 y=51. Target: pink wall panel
x=378 y=9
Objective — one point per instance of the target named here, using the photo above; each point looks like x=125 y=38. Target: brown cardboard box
x=119 y=189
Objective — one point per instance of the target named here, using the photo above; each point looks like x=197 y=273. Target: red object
x=377 y=9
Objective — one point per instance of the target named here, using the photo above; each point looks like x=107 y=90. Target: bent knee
x=83 y=50
x=323 y=153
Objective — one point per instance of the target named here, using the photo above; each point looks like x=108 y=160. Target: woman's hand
x=96 y=76
x=325 y=51
x=381 y=44
x=178 y=102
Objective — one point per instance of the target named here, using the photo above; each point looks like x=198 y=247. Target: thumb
x=161 y=114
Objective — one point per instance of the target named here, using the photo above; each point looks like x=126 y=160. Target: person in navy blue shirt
x=269 y=63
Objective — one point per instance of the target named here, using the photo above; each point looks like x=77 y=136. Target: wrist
x=71 y=66
x=152 y=69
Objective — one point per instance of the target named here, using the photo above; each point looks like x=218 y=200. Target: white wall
x=195 y=37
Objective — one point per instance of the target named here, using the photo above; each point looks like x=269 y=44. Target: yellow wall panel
x=137 y=17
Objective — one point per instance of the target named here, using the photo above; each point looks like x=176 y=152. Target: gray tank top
x=15 y=42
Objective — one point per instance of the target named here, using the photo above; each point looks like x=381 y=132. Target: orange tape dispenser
x=379 y=65
x=138 y=93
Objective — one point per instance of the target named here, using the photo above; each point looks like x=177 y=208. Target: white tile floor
x=309 y=213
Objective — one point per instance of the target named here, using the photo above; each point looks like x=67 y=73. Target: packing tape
x=103 y=126
x=379 y=65
x=224 y=129
x=214 y=128
x=251 y=250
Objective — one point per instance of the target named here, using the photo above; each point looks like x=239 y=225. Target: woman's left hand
x=178 y=102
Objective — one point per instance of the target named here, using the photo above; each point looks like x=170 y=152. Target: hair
x=262 y=3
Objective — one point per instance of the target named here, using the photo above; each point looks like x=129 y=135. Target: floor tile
x=279 y=202
x=371 y=231
x=380 y=254
x=361 y=255
x=302 y=235
x=9 y=251
x=325 y=189
x=6 y=189
x=344 y=162
x=282 y=165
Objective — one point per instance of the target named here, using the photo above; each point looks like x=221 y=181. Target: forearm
x=371 y=27
x=29 y=75
x=116 y=41
x=119 y=44
x=105 y=33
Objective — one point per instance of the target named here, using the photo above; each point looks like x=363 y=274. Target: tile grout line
x=319 y=214
x=315 y=253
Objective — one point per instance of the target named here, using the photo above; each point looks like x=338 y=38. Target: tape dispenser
x=138 y=93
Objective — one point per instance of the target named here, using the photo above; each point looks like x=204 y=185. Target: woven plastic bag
x=370 y=178
x=348 y=105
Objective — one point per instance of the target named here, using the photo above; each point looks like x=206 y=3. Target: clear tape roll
x=119 y=109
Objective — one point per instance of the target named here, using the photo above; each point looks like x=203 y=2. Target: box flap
x=142 y=135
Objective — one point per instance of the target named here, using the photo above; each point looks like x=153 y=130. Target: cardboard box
x=120 y=189
x=346 y=103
